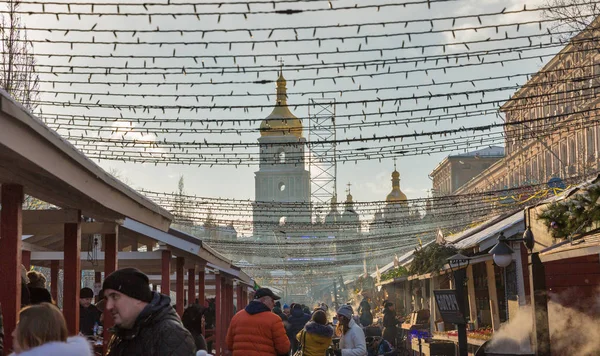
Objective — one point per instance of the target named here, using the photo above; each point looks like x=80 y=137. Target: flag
x=420 y=242
x=396 y=261
x=378 y=274
x=365 y=266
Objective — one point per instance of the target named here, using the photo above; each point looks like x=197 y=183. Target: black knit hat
x=86 y=293
x=131 y=282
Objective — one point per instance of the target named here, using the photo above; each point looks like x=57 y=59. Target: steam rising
x=572 y=331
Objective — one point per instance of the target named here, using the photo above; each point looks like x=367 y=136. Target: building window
x=590 y=143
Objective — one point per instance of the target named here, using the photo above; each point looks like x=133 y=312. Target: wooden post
x=539 y=302
x=11 y=219
x=179 y=286
x=165 y=280
x=218 y=314
x=240 y=297
x=191 y=286
x=111 y=243
x=54 y=267
x=26 y=259
x=493 y=294
x=72 y=273
x=471 y=296
x=201 y=285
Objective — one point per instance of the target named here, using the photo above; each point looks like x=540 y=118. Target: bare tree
x=570 y=17
x=18 y=76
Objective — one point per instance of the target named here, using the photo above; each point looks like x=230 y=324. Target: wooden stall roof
x=53 y=170
x=191 y=245
x=585 y=246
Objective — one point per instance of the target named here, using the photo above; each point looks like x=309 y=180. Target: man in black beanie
x=89 y=315
x=145 y=322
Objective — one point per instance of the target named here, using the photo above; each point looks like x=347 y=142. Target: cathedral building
x=282 y=176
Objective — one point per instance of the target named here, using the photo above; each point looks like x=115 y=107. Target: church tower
x=282 y=176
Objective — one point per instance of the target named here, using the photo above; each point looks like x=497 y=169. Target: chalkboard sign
x=448 y=306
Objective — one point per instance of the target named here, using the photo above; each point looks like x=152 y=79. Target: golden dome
x=281 y=121
x=396 y=195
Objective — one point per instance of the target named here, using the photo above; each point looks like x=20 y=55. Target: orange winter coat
x=256 y=331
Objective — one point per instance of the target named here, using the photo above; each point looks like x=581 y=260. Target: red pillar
x=11 y=198
x=240 y=298
x=201 y=285
x=97 y=279
x=72 y=273
x=228 y=306
x=111 y=264
x=54 y=267
x=165 y=281
x=191 y=286
x=218 y=314
x=26 y=259
x=179 y=286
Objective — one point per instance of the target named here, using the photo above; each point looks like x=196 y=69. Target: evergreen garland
x=574 y=215
x=399 y=271
x=432 y=258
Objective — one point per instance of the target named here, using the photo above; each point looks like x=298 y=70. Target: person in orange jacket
x=256 y=331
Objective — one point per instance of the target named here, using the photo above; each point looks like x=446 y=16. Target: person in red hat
x=256 y=331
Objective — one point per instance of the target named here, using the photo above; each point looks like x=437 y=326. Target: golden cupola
x=281 y=121
x=396 y=195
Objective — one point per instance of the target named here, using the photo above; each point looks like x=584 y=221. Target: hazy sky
x=370 y=179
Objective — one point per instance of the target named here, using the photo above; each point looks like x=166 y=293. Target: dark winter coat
x=39 y=295
x=366 y=318
x=157 y=331
x=390 y=326
x=278 y=311
x=316 y=338
x=256 y=331
x=88 y=317
x=296 y=322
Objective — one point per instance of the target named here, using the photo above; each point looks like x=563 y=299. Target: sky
x=370 y=179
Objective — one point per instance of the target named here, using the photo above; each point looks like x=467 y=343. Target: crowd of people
x=145 y=323
x=265 y=327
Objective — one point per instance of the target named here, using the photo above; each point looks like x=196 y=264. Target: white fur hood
x=75 y=346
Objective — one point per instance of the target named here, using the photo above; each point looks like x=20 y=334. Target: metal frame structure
x=322 y=158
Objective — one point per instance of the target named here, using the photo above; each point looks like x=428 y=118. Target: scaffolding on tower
x=322 y=157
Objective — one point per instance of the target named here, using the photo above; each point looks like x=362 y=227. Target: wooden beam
x=471 y=296
x=54 y=267
x=111 y=261
x=201 y=285
x=72 y=275
x=26 y=259
x=11 y=198
x=219 y=315
x=87 y=228
x=191 y=286
x=240 y=299
x=57 y=216
x=165 y=272
x=179 y=293
x=493 y=294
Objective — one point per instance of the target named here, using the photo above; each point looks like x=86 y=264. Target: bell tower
x=282 y=176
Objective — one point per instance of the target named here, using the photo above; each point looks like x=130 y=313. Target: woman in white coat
x=42 y=331
x=352 y=337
